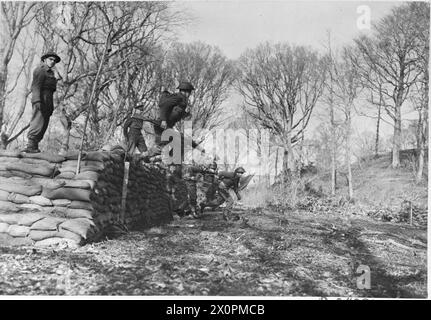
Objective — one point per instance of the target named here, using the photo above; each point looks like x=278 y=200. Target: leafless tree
x=281 y=85
x=392 y=54
x=14 y=17
x=346 y=79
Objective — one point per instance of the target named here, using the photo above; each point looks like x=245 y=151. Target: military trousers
x=38 y=124
x=135 y=140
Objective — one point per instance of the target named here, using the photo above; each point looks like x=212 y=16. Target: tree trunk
x=376 y=148
x=3 y=79
x=333 y=149
x=276 y=161
x=348 y=152
x=396 y=146
x=289 y=155
x=423 y=137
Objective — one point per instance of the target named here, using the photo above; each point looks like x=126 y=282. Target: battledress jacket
x=172 y=108
x=230 y=180
x=43 y=87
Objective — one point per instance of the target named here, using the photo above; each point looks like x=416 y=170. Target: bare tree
x=347 y=85
x=14 y=17
x=391 y=52
x=275 y=81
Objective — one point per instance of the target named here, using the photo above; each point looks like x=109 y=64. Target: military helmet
x=239 y=170
x=51 y=54
x=186 y=86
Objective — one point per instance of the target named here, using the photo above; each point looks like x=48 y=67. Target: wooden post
x=411 y=214
x=124 y=192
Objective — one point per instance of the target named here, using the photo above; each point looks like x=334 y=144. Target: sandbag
x=66 y=175
x=35 y=161
x=73 y=155
x=40 y=169
x=75 y=204
x=61 y=202
x=16 y=173
x=27 y=219
x=47 y=223
x=67 y=193
x=7 y=207
x=11 y=218
x=4 y=195
x=80 y=226
x=38 y=235
x=18 y=231
x=57 y=241
x=9 y=153
x=88 y=175
x=63 y=233
x=32 y=207
x=74 y=163
x=4 y=227
x=72 y=213
x=80 y=184
x=97 y=156
x=18 y=198
x=21 y=189
x=40 y=200
x=48 y=182
x=44 y=156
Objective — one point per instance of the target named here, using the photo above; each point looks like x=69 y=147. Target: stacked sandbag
x=37 y=207
x=148 y=201
x=44 y=201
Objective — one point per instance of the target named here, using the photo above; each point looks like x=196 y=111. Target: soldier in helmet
x=172 y=108
x=133 y=132
x=44 y=85
x=229 y=181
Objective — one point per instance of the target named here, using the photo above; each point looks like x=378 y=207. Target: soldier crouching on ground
x=42 y=89
x=133 y=133
x=229 y=180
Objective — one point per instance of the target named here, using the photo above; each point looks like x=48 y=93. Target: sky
x=234 y=26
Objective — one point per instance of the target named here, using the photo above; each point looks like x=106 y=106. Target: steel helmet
x=186 y=86
x=239 y=170
x=51 y=54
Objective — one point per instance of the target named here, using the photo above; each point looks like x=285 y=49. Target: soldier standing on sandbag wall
x=229 y=180
x=172 y=108
x=44 y=84
x=133 y=132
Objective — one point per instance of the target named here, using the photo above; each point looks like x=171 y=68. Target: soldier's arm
x=166 y=107
x=36 y=86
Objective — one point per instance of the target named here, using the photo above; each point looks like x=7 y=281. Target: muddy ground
x=270 y=254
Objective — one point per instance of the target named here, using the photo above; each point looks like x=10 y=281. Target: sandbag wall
x=43 y=201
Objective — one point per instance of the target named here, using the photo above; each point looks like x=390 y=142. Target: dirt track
x=269 y=255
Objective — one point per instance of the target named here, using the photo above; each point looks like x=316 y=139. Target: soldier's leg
x=131 y=145
x=142 y=146
x=224 y=193
x=36 y=127
x=46 y=118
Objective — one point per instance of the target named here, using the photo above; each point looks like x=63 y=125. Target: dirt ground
x=270 y=254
